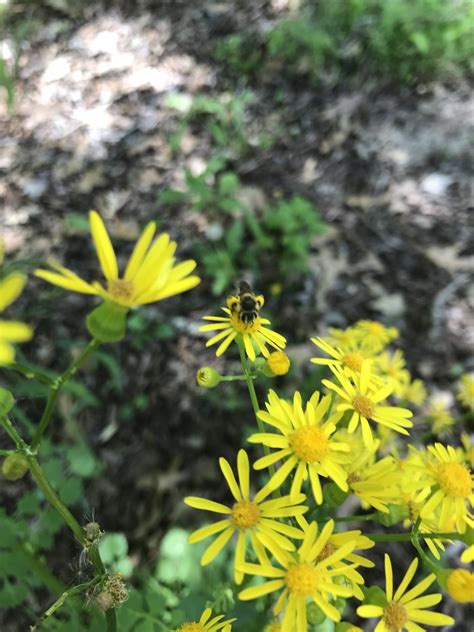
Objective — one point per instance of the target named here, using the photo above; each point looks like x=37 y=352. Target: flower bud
x=108 y=322
x=93 y=533
x=207 y=377
x=315 y=615
x=278 y=363
x=459 y=584
x=113 y=593
x=14 y=466
x=342 y=626
x=7 y=401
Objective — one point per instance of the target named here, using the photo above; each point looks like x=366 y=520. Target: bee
x=246 y=305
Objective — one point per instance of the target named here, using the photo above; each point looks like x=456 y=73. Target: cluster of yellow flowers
x=341 y=442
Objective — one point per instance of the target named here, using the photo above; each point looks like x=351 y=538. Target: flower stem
x=356 y=518
x=54 y=391
x=407 y=537
x=233 y=378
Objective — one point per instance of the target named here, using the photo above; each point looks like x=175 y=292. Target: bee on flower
x=363 y=399
x=303 y=441
x=151 y=273
x=256 y=518
x=244 y=324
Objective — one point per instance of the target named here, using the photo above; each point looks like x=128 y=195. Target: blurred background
x=320 y=150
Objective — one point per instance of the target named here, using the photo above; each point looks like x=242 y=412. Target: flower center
x=245 y=514
x=192 y=627
x=327 y=550
x=363 y=405
x=353 y=361
x=376 y=329
x=454 y=478
x=309 y=444
x=302 y=580
x=395 y=616
x=244 y=328
x=121 y=290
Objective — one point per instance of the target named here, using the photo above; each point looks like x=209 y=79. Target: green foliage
x=239 y=53
x=396 y=40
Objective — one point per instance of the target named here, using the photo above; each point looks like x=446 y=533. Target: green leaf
x=70 y=491
x=421 y=41
x=113 y=547
x=81 y=461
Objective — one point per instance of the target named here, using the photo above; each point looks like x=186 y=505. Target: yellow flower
x=303 y=441
x=460 y=585
x=391 y=367
x=302 y=575
x=348 y=359
x=374 y=336
x=255 y=517
x=439 y=417
x=206 y=624
x=364 y=404
x=253 y=333
x=11 y=331
x=374 y=483
x=278 y=363
x=150 y=275
x=343 y=338
x=273 y=627
x=449 y=484
x=466 y=391
x=414 y=392
x=404 y=610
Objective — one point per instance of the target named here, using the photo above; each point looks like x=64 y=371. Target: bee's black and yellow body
x=246 y=305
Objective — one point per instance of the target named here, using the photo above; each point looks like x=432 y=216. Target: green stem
x=356 y=518
x=54 y=391
x=407 y=537
x=13 y=434
x=233 y=378
x=66 y=593
x=30 y=373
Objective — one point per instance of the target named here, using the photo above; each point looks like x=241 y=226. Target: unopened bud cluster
x=93 y=534
x=207 y=377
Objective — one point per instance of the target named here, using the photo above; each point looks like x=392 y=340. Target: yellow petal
x=208 y=505
x=230 y=478
x=139 y=252
x=11 y=288
x=259 y=591
x=7 y=353
x=103 y=246
x=14 y=331
x=68 y=283
x=243 y=469
x=205 y=532
x=216 y=547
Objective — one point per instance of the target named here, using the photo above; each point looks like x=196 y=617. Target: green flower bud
x=375 y=596
x=207 y=377
x=315 y=615
x=14 y=466
x=7 y=401
x=108 y=322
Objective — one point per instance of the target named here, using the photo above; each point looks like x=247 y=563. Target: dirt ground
x=388 y=169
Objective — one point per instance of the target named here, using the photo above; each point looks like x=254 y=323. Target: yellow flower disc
x=363 y=405
x=302 y=580
x=454 y=478
x=121 y=290
x=309 y=444
x=353 y=361
x=395 y=616
x=245 y=514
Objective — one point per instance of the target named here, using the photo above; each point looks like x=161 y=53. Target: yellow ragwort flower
x=348 y=358
x=439 y=416
x=304 y=576
x=150 y=275
x=374 y=336
x=254 y=516
x=414 y=392
x=449 y=484
x=404 y=610
x=253 y=333
x=303 y=441
x=206 y=624
x=364 y=402
x=11 y=331
x=466 y=391
x=391 y=368
x=460 y=585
